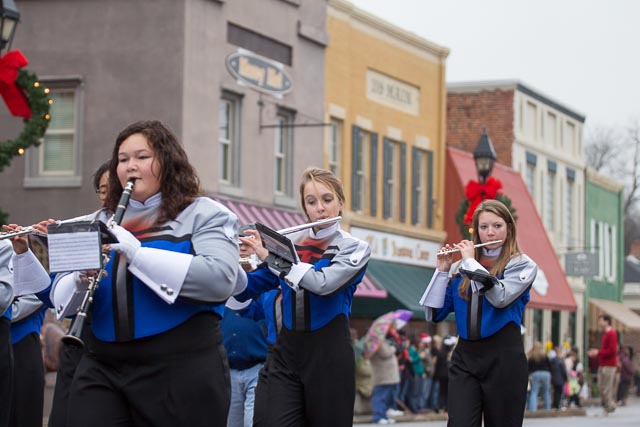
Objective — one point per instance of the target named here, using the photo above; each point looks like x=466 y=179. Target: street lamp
x=485 y=156
x=9 y=17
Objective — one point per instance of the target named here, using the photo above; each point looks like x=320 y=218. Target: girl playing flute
x=488 y=290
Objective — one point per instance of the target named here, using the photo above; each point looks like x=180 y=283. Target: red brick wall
x=467 y=113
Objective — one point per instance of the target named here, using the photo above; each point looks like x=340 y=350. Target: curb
x=551 y=413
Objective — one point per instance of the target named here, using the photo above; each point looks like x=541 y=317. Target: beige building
x=386 y=102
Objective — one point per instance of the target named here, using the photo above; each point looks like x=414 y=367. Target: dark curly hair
x=179 y=182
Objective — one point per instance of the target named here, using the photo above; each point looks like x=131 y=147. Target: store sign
x=397 y=248
x=393 y=93
x=259 y=73
x=581 y=264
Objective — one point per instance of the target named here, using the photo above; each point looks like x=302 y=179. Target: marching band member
x=313 y=357
x=6 y=354
x=21 y=274
x=70 y=355
x=488 y=290
x=156 y=355
x=27 y=316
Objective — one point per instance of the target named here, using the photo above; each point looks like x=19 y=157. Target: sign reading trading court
x=259 y=73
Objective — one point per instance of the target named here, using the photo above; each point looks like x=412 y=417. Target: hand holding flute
x=466 y=249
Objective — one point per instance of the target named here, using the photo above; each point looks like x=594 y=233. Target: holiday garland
x=35 y=126
x=475 y=193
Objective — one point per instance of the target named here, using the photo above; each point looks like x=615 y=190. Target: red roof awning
x=278 y=219
x=551 y=289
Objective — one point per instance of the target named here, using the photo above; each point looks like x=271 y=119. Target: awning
x=549 y=292
x=273 y=217
x=405 y=285
x=623 y=318
x=278 y=219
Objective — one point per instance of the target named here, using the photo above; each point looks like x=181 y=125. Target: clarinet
x=77 y=325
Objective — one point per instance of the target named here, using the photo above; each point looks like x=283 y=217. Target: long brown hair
x=510 y=246
x=179 y=183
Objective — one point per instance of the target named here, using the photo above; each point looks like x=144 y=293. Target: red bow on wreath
x=13 y=95
x=477 y=192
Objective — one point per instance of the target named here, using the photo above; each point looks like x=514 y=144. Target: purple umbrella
x=379 y=328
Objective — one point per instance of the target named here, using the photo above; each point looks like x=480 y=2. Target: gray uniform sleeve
x=24 y=307
x=212 y=275
x=6 y=275
x=353 y=256
x=519 y=275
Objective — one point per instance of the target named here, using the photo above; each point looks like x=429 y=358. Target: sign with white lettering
x=393 y=93
x=259 y=73
x=397 y=248
x=581 y=264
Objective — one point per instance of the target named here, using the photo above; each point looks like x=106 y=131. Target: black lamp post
x=485 y=156
x=9 y=17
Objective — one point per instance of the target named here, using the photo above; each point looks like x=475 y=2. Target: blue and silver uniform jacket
x=6 y=278
x=27 y=317
x=333 y=263
x=127 y=307
x=489 y=310
x=272 y=306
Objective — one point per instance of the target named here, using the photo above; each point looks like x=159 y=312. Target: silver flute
x=295 y=228
x=31 y=230
x=479 y=245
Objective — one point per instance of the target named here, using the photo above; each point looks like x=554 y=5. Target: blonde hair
x=510 y=246
x=537 y=352
x=324 y=177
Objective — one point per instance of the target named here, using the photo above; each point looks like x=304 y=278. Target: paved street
x=624 y=416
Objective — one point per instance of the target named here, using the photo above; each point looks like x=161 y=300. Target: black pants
x=68 y=361
x=28 y=382
x=488 y=377
x=312 y=378
x=557 y=395
x=260 y=404
x=178 y=378
x=6 y=371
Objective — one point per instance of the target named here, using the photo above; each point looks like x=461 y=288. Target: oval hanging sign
x=259 y=73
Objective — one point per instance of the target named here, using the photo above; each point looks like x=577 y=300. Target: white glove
x=128 y=245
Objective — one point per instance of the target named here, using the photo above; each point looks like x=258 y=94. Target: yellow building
x=386 y=101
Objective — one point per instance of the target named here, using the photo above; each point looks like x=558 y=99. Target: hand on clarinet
x=127 y=244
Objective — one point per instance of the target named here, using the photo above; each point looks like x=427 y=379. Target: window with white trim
x=229 y=139
x=550 y=201
x=283 y=154
x=335 y=145
x=55 y=162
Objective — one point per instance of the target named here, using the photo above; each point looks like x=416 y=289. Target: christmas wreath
x=27 y=98
x=476 y=193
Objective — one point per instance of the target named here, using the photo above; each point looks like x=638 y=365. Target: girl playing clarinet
x=488 y=290
x=156 y=356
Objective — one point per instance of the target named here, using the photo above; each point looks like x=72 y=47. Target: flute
x=31 y=230
x=309 y=225
x=479 y=245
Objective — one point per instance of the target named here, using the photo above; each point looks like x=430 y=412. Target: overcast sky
x=584 y=54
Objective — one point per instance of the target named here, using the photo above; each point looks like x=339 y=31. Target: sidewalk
x=553 y=413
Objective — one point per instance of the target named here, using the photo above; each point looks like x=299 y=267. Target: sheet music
x=74 y=251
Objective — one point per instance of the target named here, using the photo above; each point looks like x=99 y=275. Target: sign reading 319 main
x=259 y=73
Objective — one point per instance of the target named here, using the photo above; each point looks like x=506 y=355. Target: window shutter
x=415 y=176
x=403 y=181
x=374 y=174
x=355 y=160
x=386 y=212
x=429 y=175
